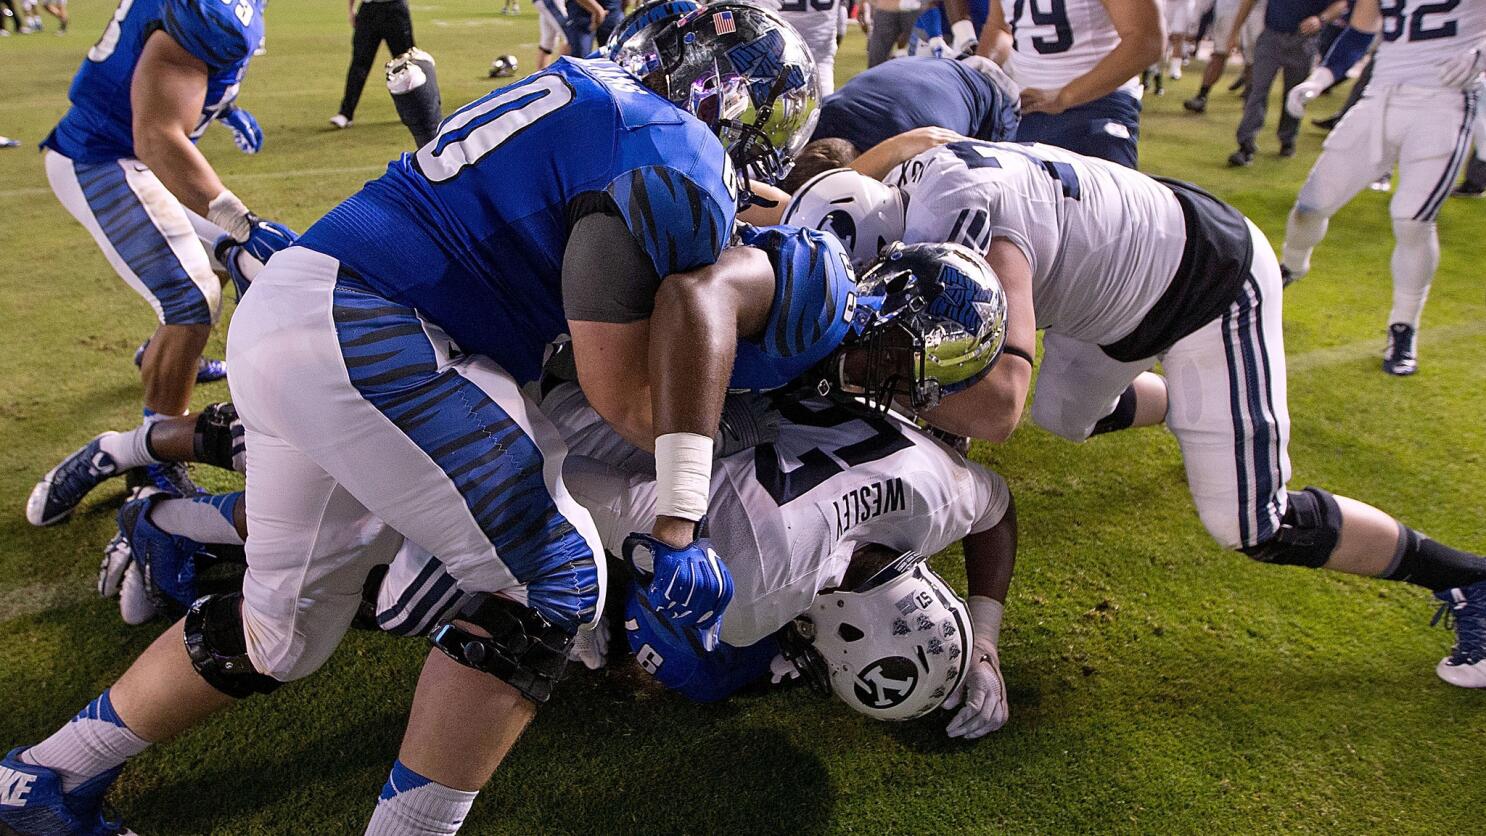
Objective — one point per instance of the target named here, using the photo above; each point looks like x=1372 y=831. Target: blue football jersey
x=470 y=230
x=99 y=125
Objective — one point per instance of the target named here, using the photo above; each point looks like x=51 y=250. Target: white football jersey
x=1057 y=41
x=1104 y=241
x=786 y=517
x=817 y=21
x=1418 y=37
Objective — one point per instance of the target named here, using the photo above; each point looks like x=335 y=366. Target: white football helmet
x=865 y=214
x=896 y=646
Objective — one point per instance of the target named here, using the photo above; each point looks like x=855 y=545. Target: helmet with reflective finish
x=896 y=646
x=939 y=327
x=647 y=15
x=737 y=67
x=864 y=214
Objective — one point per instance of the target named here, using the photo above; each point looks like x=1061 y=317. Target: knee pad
x=1410 y=233
x=218 y=651
x=218 y=438
x=414 y=85
x=1308 y=532
x=524 y=650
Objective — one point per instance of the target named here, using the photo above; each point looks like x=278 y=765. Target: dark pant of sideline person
x=1293 y=55
x=376 y=21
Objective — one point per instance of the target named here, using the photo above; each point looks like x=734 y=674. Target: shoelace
x=1470 y=631
x=173 y=477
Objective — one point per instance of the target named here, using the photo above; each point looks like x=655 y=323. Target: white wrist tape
x=985 y=620
x=683 y=475
x=961 y=32
x=231 y=215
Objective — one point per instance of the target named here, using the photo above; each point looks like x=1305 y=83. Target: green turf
x=1158 y=684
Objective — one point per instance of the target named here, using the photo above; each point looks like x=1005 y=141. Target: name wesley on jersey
x=871 y=500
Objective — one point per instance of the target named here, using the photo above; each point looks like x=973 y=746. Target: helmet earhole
x=849 y=633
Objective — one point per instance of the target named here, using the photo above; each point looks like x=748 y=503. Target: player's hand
x=782 y=670
x=981 y=698
x=690 y=586
x=245 y=131
x=1306 y=91
x=1462 y=69
x=747 y=421
x=266 y=238
x=1036 y=100
x=597 y=19
x=1311 y=25
x=591 y=646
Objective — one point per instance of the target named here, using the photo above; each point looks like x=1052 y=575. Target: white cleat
x=339 y=121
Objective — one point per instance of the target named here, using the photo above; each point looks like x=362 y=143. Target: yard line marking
x=252 y=175
x=36 y=598
x=1336 y=355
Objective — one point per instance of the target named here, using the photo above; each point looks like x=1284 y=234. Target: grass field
x=1158 y=684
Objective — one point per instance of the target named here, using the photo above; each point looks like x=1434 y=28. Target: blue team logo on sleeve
x=679 y=225
x=219 y=32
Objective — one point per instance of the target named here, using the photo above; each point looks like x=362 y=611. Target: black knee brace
x=414 y=86
x=218 y=651
x=218 y=438
x=524 y=650
x=1308 y=532
x=1123 y=416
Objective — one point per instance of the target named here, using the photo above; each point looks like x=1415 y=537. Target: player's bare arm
x=1142 y=31
x=167 y=93
x=990 y=557
x=995 y=37
x=881 y=158
x=992 y=408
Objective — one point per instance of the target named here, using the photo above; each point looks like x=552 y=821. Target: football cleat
x=1240 y=158
x=167 y=560
x=32 y=802
x=1196 y=104
x=1400 y=357
x=1288 y=276
x=65 y=485
x=208 y=370
x=1464 y=608
x=340 y=120
x=1287 y=149
x=1469 y=189
x=173 y=478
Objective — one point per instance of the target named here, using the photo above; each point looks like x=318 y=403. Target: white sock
x=1416 y=255
x=411 y=805
x=130 y=449
x=1303 y=231
x=92 y=743
x=205 y=519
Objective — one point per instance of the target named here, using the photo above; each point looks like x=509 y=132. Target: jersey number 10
x=467 y=136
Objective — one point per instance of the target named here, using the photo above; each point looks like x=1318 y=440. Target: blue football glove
x=267 y=238
x=690 y=587
x=245 y=131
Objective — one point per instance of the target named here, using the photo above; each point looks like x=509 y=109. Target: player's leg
x=364 y=42
x=1220 y=31
x=1435 y=144
x=1297 y=65
x=1353 y=155
x=1081 y=391
x=1229 y=410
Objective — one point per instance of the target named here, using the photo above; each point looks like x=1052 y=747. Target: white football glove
x=134 y=602
x=983 y=694
x=1463 y=68
x=1306 y=91
x=591 y=647
x=963 y=38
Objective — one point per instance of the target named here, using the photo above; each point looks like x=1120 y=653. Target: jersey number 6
x=484 y=126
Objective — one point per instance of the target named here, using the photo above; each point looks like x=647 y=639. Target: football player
x=552 y=40
x=1122 y=271
x=1417 y=113
x=123 y=161
x=378 y=379
x=817 y=22
x=1078 y=62
x=1224 y=12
